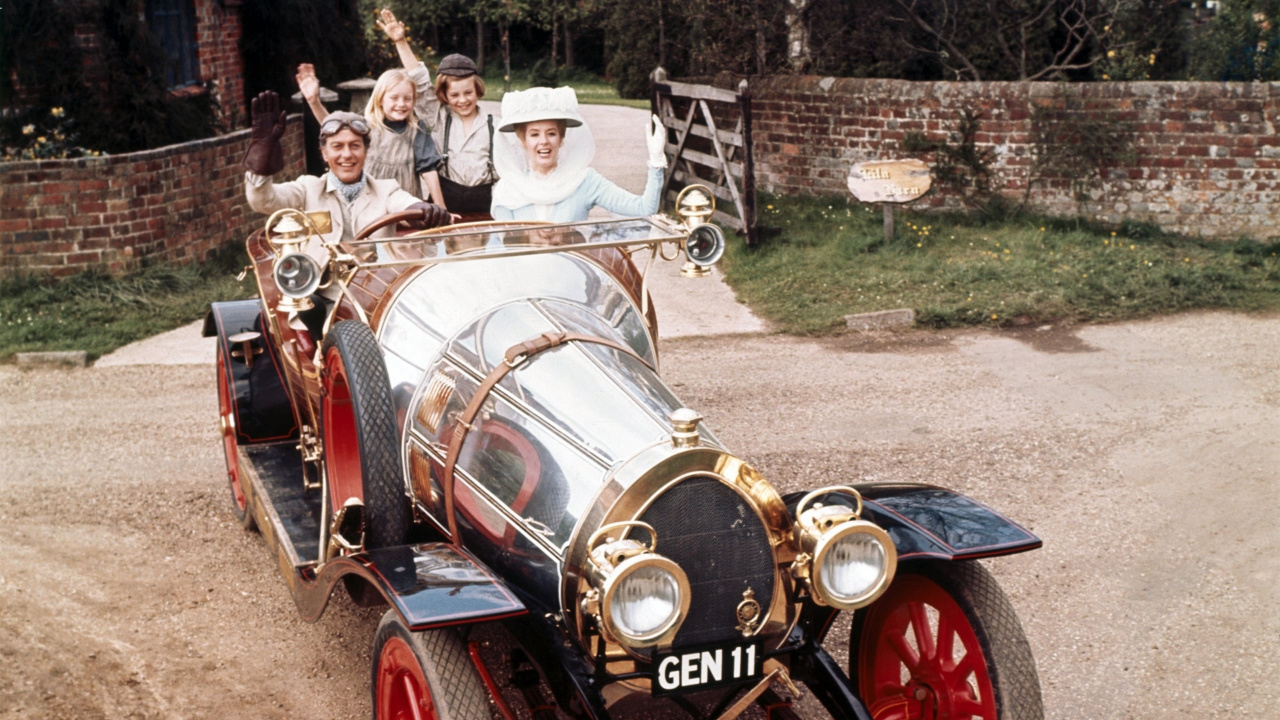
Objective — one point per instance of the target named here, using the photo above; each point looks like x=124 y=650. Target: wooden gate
x=705 y=152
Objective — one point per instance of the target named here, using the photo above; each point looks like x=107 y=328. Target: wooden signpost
x=889 y=182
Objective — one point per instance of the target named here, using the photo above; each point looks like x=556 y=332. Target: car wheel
x=944 y=642
x=424 y=675
x=359 y=433
x=230 y=446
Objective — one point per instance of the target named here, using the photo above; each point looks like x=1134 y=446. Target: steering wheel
x=386 y=220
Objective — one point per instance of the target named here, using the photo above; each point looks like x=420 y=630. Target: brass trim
x=434 y=401
x=630 y=489
x=608 y=589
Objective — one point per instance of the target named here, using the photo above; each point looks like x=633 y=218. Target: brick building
x=170 y=204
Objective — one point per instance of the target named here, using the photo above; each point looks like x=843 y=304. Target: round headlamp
x=641 y=597
x=297 y=275
x=705 y=245
x=847 y=562
x=852 y=564
x=644 y=600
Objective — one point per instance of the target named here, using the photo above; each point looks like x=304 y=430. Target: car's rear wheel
x=944 y=642
x=230 y=445
x=424 y=675
x=359 y=433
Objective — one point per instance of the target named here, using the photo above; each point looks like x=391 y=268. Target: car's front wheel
x=424 y=675
x=230 y=445
x=944 y=642
x=359 y=433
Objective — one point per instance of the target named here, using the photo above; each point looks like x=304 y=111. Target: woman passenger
x=544 y=155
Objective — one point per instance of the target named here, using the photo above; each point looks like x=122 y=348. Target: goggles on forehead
x=334 y=125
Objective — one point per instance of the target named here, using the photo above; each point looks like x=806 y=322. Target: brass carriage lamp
x=296 y=273
x=705 y=243
x=844 y=561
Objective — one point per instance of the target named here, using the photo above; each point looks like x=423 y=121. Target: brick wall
x=173 y=204
x=218 y=30
x=1207 y=157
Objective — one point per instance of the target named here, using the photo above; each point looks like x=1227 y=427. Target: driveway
x=1145 y=455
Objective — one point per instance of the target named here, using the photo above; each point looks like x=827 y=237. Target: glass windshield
x=497 y=239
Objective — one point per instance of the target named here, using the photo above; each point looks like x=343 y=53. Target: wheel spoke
x=904 y=651
x=411 y=697
x=968 y=707
x=924 y=634
x=946 y=643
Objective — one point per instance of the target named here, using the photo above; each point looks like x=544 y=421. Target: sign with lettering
x=889 y=181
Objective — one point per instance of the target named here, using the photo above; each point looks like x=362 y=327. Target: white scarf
x=519 y=186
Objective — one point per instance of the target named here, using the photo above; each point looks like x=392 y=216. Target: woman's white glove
x=657 y=139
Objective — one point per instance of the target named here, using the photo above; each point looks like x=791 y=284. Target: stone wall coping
x=193 y=146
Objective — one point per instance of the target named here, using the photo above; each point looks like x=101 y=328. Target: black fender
x=430 y=585
x=930 y=522
x=925 y=522
x=263 y=410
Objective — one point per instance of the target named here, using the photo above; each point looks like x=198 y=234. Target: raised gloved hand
x=265 y=155
x=657 y=140
x=432 y=216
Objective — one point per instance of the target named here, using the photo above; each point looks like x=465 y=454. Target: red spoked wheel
x=424 y=675
x=358 y=428
x=230 y=446
x=944 y=642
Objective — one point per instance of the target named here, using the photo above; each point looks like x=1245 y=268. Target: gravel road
x=1144 y=454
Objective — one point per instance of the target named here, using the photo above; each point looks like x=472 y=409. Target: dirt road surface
x=1145 y=454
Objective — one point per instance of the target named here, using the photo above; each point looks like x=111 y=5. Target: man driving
x=352 y=198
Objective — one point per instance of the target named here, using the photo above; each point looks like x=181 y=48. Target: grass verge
x=591 y=90
x=829 y=260
x=98 y=314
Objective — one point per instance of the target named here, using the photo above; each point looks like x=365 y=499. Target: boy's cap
x=457 y=66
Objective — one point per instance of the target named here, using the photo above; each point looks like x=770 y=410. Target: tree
x=1013 y=39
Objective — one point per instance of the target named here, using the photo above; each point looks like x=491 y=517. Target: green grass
x=98 y=314
x=830 y=260
x=591 y=90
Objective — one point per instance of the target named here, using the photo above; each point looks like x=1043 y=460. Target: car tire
x=230 y=444
x=424 y=674
x=949 y=629
x=358 y=429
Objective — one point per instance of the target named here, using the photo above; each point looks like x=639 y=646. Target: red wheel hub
x=341 y=444
x=402 y=693
x=227 y=424
x=920 y=657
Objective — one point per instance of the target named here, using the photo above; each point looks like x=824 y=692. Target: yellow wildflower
x=28 y=129
x=41 y=139
x=1151 y=60
x=57 y=112
x=1111 y=53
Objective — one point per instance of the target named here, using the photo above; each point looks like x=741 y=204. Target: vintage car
x=475 y=431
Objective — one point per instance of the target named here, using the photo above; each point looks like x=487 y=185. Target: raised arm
x=395 y=32
x=309 y=84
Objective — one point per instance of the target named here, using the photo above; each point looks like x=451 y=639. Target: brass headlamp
x=705 y=244
x=297 y=275
x=845 y=561
x=638 y=597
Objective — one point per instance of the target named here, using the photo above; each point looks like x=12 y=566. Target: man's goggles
x=333 y=126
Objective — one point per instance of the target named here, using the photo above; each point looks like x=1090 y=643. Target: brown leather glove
x=265 y=155
x=432 y=216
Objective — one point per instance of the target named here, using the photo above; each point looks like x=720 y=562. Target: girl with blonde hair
x=401 y=147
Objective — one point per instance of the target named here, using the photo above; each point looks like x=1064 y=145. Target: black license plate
x=693 y=669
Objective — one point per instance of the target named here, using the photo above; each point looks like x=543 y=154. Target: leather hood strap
x=513 y=358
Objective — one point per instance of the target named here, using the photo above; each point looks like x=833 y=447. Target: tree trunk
x=799 y=56
x=662 y=38
x=568 y=46
x=555 y=42
x=505 y=28
x=762 y=58
x=480 y=45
